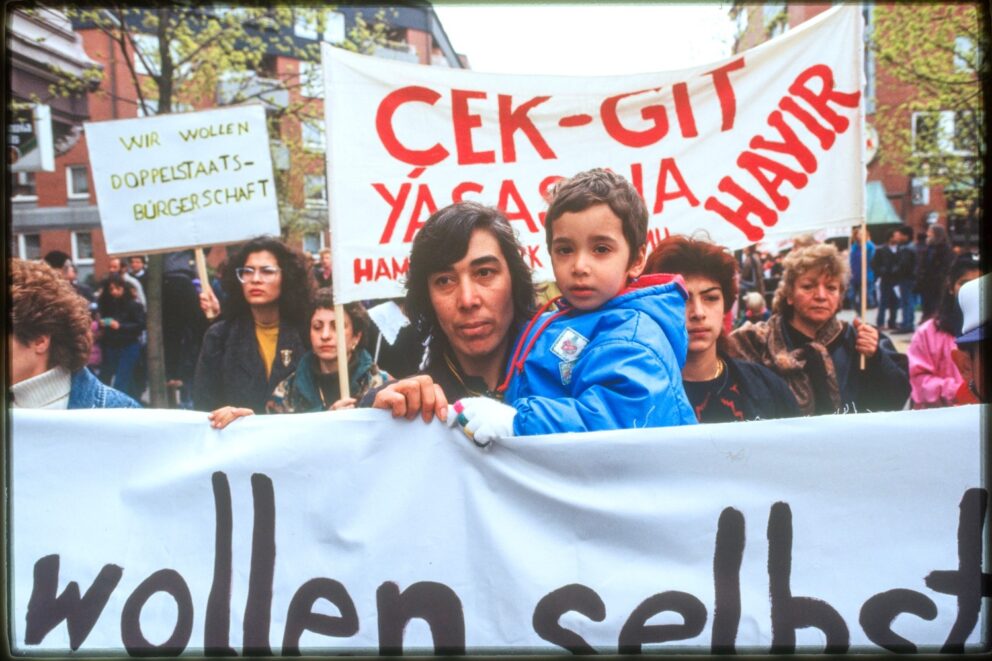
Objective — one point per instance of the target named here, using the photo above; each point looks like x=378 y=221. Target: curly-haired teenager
x=50 y=344
x=720 y=388
x=816 y=353
x=260 y=337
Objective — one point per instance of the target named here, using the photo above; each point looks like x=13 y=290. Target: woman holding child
x=817 y=354
x=609 y=353
x=720 y=388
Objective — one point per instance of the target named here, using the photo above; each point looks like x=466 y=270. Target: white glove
x=482 y=419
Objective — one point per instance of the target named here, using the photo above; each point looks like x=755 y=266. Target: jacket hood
x=662 y=297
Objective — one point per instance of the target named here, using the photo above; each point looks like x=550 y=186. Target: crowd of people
x=681 y=334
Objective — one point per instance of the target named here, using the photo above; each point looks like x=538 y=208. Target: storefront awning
x=880 y=210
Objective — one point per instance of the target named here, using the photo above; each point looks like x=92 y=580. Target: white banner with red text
x=148 y=532
x=767 y=141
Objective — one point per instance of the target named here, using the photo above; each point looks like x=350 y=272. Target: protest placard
x=768 y=140
x=347 y=531
x=183 y=180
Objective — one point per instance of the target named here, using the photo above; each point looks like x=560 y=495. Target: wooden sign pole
x=201 y=270
x=864 y=278
x=343 y=380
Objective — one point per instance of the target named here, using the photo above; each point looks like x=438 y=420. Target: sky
x=587 y=39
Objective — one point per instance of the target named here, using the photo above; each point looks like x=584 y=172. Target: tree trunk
x=156 y=350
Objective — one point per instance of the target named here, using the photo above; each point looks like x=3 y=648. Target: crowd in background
x=764 y=335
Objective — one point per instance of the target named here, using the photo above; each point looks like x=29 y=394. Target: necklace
x=719 y=369
x=492 y=394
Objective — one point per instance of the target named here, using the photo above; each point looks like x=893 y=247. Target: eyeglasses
x=265 y=273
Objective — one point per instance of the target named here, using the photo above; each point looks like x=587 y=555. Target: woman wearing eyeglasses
x=314 y=386
x=258 y=340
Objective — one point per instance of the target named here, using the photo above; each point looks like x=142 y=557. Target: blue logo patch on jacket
x=567 y=346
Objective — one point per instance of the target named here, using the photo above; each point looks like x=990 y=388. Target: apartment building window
x=334 y=27
x=313 y=136
x=147 y=62
x=28 y=246
x=741 y=20
x=77 y=183
x=311 y=80
x=776 y=18
x=22 y=186
x=236 y=14
x=307 y=24
x=964 y=55
x=82 y=255
x=942 y=132
x=313 y=242
x=315 y=190
x=148 y=108
x=868 y=13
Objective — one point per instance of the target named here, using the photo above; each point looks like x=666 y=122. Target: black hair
x=117 y=280
x=294 y=297
x=56 y=259
x=949 y=317
x=442 y=241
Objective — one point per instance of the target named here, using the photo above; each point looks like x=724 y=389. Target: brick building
x=893 y=194
x=58 y=210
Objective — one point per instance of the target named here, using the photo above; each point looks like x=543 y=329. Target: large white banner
x=770 y=140
x=349 y=532
x=183 y=180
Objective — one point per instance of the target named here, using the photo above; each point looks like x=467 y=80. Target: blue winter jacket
x=87 y=392
x=616 y=367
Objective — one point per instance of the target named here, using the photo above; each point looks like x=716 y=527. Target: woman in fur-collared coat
x=817 y=354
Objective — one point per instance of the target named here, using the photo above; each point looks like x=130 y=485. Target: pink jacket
x=933 y=376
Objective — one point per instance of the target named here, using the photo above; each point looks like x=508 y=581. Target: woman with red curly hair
x=50 y=344
x=720 y=388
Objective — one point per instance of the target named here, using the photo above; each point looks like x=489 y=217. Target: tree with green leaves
x=185 y=55
x=937 y=55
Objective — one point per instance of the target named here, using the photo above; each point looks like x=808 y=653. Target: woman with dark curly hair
x=720 y=388
x=314 y=386
x=122 y=320
x=50 y=343
x=260 y=337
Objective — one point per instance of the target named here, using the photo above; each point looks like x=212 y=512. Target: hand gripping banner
x=147 y=532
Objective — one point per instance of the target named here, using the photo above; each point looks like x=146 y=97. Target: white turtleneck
x=48 y=390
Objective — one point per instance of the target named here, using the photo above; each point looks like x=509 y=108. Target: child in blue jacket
x=609 y=352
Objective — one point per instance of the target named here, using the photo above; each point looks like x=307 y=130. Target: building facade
x=58 y=210
x=899 y=112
